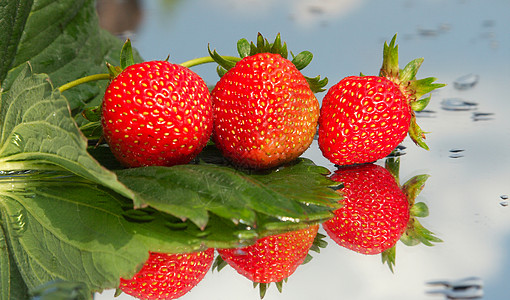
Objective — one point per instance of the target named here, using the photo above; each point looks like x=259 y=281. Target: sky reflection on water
x=456 y=38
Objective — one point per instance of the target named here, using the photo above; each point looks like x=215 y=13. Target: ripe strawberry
x=156 y=113
x=168 y=276
x=377 y=212
x=363 y=118
x=273 y=258
x=265 y=112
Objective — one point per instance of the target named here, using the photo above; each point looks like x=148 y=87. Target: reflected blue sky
x=456 y=37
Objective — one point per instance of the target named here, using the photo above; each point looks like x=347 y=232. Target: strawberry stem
x=204 y=60
x=83 y=80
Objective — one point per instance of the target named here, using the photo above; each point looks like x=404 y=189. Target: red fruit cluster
x=262 y=113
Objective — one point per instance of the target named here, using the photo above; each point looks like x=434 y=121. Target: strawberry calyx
x=262 y=45
x=415 y=232
x=413 y=88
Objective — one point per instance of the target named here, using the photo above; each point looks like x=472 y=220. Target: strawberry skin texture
x=168 y=276
x=363 y=119
x=375 y=211
x=265 y=113
x=273 y=258
x=156 y=113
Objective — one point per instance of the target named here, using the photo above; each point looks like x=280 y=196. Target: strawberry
x=363 y=118
x=168 y=276
x=272 y=258
x=377 y=212
x=156 y=113
x=265 y=111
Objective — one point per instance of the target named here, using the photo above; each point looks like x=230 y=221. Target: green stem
x=85 y=79
x=204 y=60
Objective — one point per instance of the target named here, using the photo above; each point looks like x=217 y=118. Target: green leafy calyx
x=262 y=45
x=413 y=88
x=416 y=233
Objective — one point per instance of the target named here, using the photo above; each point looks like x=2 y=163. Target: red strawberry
x=363 y=118
x=168 y=276
x=265 y=113
x=377 y=212
x=156 y=113
x=273 y=258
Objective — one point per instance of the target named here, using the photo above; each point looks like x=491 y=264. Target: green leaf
x=220 y=60
x=11 y=283
x=417 y=134
x=421 y=104
x=392 y=164
x=302 y=60
x=317 y=84
x=243 y=48
x=37 y=128
x=388 y=257
x=68 y=230
x=295 y=193
x=126 y=55
x=423 y=86
x=410 y=70
x=414 y=186
x=60 y=38
x=389 y=67
x=419 y=210
x=417 y=234
x=62 y=227
x=13 y=15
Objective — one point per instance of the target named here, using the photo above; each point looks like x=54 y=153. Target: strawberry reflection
x=272 y=259
x=377 y=211
x=168 y=276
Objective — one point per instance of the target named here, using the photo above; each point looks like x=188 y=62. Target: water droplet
x=425 y=114
x=482 y=116
x=19 y=222
x=456 y=153
x=503 y=203
x=398 y=151
x=488 y=23
x=504 y=197
x=457 y=104
x=466 y=82
x=427 y=32
x=17 y=140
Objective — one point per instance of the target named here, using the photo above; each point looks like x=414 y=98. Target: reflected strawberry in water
x=272 y=259
x=377 y=211
x=168 y=276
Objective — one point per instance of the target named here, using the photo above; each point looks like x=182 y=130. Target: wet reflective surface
x=466 y=44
